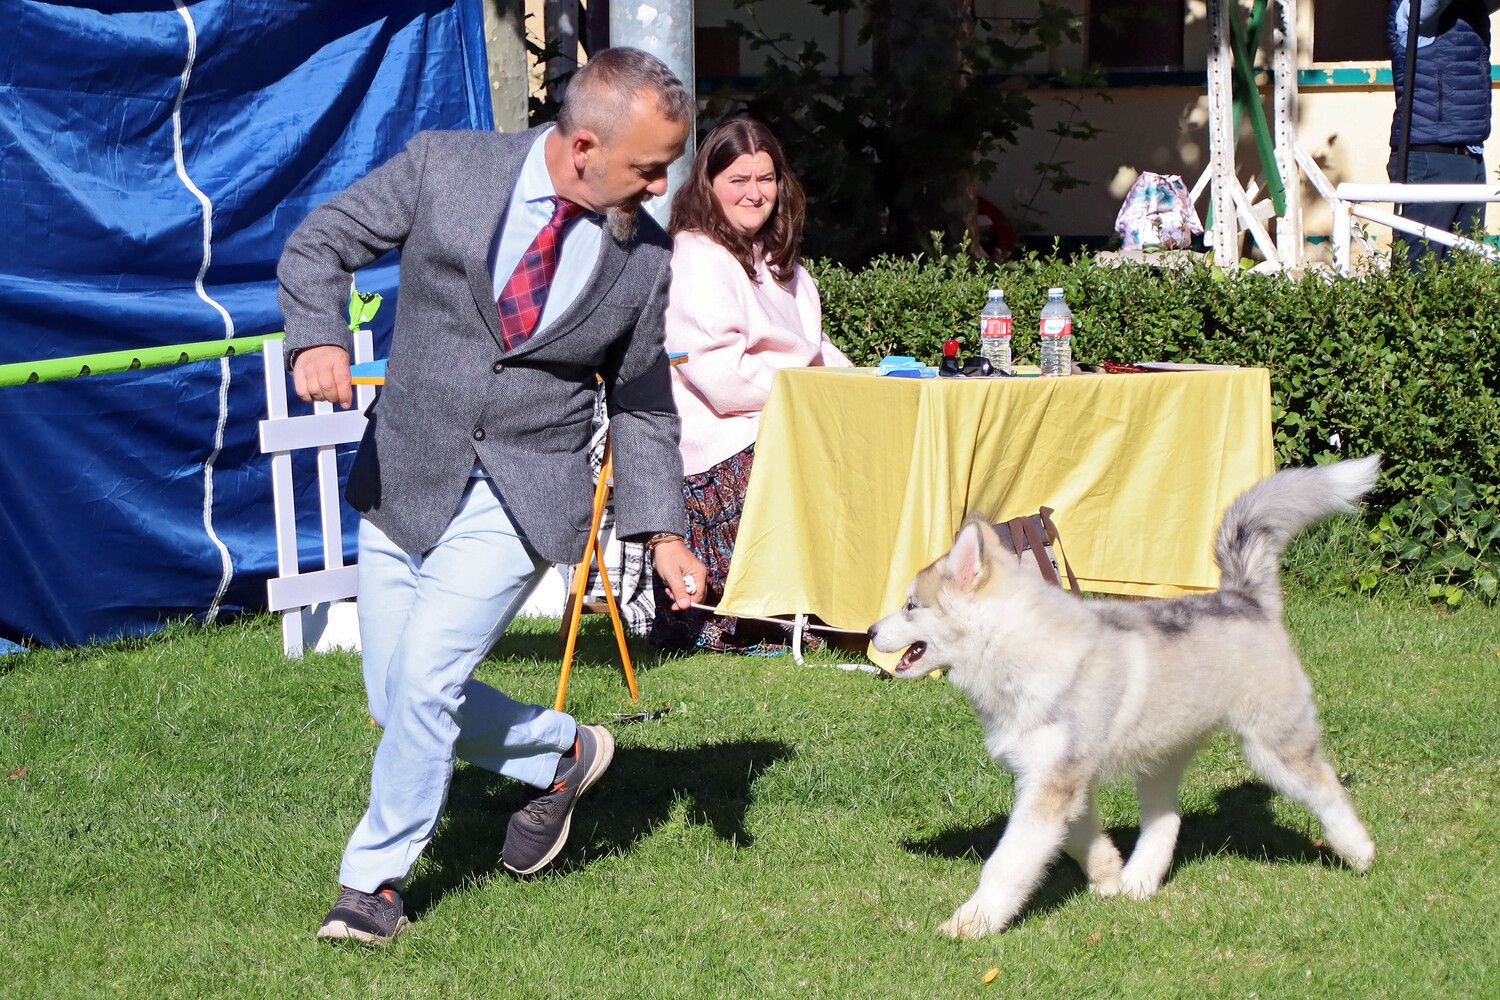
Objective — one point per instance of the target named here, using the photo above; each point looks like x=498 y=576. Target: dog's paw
x=1107 y=887
x=1361 y=857
x=1350 y=842
x=1135 y=887
x=971 y=921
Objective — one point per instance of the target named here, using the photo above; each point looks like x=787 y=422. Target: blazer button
x=479 y=434
x=497 y=368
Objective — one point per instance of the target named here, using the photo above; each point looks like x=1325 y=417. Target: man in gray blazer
x=527 y=272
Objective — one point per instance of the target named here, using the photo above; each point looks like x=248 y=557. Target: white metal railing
x=1350 y=202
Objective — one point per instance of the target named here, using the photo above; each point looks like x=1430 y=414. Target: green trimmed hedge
x=1400 y=363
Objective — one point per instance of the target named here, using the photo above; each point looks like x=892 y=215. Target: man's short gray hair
x=600 y=95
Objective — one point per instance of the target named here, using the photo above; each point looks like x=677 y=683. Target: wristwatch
x=291 y=356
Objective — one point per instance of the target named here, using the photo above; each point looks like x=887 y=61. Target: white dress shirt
x=529 y=209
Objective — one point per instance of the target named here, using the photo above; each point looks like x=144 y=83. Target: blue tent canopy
x=153 y=160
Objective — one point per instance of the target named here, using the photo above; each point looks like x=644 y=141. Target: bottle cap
x=996 y=293
x=950 y=348
x=1054 y=291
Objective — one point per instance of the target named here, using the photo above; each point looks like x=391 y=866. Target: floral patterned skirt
x=714 y=500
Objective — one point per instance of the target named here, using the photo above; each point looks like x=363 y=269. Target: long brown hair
x=694 y=207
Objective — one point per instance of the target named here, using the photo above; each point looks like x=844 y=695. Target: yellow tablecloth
x=859 y=480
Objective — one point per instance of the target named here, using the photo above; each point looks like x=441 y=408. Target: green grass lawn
x=176 y=806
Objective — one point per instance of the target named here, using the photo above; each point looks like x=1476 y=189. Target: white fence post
x=293 y=592
x=1343 y=231
x=1284 y=102
x=1224 y=240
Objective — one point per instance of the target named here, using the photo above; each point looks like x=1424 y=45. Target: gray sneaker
x=368 y=917
x=539 y=829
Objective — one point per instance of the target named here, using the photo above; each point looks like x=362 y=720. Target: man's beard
x=623 y=222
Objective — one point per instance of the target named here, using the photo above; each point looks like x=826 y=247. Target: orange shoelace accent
x=561 y=784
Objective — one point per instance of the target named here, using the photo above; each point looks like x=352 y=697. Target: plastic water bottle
x=994 y=330
x=1057 y=335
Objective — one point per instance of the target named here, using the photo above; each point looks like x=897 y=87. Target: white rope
x=226 y=564
x=783 y=621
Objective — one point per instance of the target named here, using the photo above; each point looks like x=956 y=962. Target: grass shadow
x=166 y=633
x=1240 y=821
x=543 y=642
x=977 y=843
x=717 y=782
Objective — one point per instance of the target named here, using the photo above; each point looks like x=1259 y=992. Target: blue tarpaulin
x=153 y=159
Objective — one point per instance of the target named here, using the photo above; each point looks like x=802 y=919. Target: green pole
x=362 y=309
x=25 y=372
x=1244 y=43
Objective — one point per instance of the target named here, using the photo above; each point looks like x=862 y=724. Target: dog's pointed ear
x=966 y=560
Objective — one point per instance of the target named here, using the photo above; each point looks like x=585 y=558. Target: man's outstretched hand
x=681 y=571
x=322 y=373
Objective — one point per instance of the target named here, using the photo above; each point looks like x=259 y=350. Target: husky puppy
x=1072 y=691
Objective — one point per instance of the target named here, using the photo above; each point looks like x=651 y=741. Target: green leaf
x=362 y=308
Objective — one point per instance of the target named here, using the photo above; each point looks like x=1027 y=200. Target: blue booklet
x=368 y=371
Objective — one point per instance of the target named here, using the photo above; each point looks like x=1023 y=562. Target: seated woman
x=741 y=307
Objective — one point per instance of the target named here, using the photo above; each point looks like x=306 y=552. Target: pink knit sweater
x=736 y=335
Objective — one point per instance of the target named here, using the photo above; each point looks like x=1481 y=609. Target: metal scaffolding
x=1236 y=210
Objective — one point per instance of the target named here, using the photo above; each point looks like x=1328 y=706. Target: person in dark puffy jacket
x=1450 y=117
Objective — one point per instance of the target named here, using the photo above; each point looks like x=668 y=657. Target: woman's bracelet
x=659 y=537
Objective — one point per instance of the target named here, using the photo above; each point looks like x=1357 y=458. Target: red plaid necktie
x=521 y=300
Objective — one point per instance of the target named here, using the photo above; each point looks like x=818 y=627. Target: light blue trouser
x=425 y=622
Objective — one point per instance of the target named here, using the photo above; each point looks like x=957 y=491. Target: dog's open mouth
x=911 y=656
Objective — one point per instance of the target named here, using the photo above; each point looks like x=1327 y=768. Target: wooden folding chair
x=593 y=553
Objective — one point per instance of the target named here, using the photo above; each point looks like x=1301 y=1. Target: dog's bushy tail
x=1260 y=523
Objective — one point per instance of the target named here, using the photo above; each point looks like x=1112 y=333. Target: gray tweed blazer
x=452 y=390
